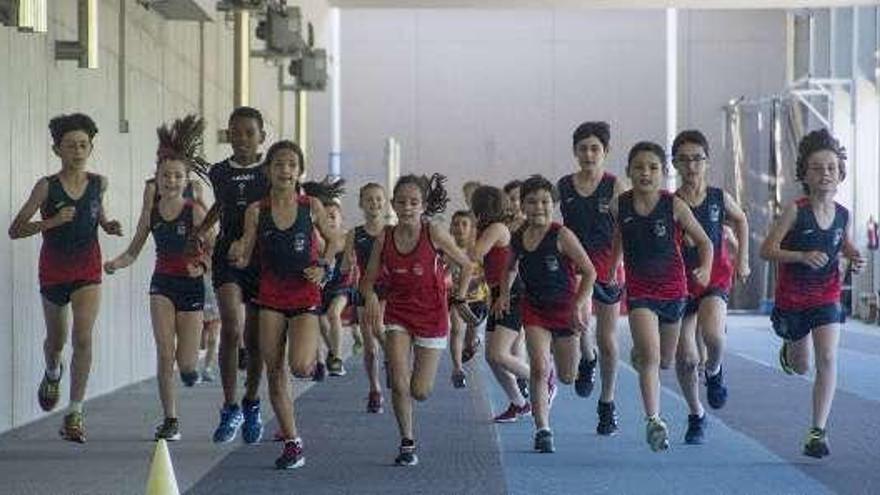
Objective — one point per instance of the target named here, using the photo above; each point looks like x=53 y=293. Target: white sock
x=54 y=374
x=75 y=407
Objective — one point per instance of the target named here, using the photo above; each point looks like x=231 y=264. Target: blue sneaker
x=716 y=392
x=252 y=429
x=230 y=421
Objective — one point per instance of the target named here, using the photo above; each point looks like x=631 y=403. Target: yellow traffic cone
x=161 y=480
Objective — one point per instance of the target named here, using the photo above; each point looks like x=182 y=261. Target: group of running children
x=282 y=258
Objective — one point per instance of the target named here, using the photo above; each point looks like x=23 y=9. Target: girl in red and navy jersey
x=407 y=260
x=584 y=198
x=554 y=304
x=807 y=241
x=358 y=246
x=237 y=182
x=706 y=308
x=283 y=229
x=71 y=206
x=335 y=294
x=177 y=293
x=503 y=325
x=650 y=222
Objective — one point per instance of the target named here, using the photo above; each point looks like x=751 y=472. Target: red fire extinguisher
x=873 y=240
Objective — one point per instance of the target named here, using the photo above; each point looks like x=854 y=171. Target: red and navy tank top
x=415 y=291
x=363 y=247
x=800 y=286
x=547 y=274
x=589 y=217
x=170 y=237
x=711 y=215
x=70 y=252
x=652 y=250
x=235 y=188
x=496 y=265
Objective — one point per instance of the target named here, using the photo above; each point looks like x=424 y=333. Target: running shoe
x=407 y=454
x=320 y=372
x=716 y=391
x=696 y=430
x=231 y=419
x=459 y=380
x=292 y=456
x=169 y=430
x=816 y=444
x=544 y=441
x=73 y=429
x=510 y=415
x=657 y=434
x=783 y=359
x=208 y=375
x=50 y=391
x=523 y=384
x=252 y=427
x=607 y=418
x=374 y=403
x=190 y=379
x=586 y=377
x=335 y=366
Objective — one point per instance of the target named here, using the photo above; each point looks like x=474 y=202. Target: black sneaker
x=586 y=377
x=320 y=373
x=50 y=390
x=407 y=455
x=696 y=430
x=816 y=444
x=459 y=379
x=607 y=418
x=169 y=430
x=523 y=384
x=716 y=392
x=292 y=456
x=544 y=441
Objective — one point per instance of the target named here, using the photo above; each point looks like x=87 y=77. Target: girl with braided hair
x=407 y=258
x=282 y=227
x=177 y=294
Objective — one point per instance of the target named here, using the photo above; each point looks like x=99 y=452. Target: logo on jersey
x=660 y=228
x=551 y=262
x=418 y=270
x=603 y=205
x=299 y=242
x=838 y=236
x=714 y=213
x=95 y=210
x=181 y=229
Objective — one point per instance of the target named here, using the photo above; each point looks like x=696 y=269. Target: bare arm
x=685 y=217
x=571 y=248
x=140 y=235
x=616 y=241
x=740 y=224
x=495 y=234
x=372 y=308
x=443 y=241
x=111 y=227
x=771 y=248
x=850 y=251
x=241 y=250
x=22 y=227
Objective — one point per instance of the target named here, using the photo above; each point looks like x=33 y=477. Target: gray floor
x=753 y=445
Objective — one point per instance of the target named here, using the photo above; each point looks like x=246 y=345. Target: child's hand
x=501 y=306
x=64 y=215
x=814 y=259
x=112 y=227
x=314 y=274
x=235 y=255
x=857 y=262
x=701 y=276
x=110 y=267
x=743 y=270
x=194 y=270
x=580 y=318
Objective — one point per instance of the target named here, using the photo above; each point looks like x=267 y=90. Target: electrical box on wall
x=181 y=10
x=311 y=70
x=282 y=31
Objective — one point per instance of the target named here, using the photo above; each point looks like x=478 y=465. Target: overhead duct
x=182 y=10
x=85 y=49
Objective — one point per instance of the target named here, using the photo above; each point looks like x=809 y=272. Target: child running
x=358 y=246
x=335 y=294
x=585 y=197
x=408 y=260
x=807 y=241
x=282 y=227
x=503 y=328
x=554 y=305
x=706 y=309
x=71 y=207
x=177 y=292
x=650 y=223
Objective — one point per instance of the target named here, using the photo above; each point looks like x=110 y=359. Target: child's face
x=284 y=169
x=590 y=153
x=646 y=172
x=690 y=161
x=823 y=172
x=513 y=202
x=75 y=148
x=171 y=178
x=462 y=229
x=334 y=217
x=245 y=136
x=408 y=204
x=538 y=207
x=373 y=202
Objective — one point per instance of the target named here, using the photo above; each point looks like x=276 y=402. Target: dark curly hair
x=433 y=190
x=818 y=140
x=62 y=124
x=537 y=182
x=183 y=140
x=488 y=204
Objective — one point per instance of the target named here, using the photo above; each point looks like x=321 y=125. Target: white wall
x=494 y=94
x=163 y=77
